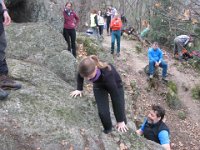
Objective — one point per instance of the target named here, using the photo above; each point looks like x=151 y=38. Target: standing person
x=70 y=23
x=113 y=11
x=108 y=20
x=94 y=22
x=116 y=25
x=5 y=81
x=155 y=56
x=154 y=128
x=106 y=81
x=181 y=42
x=100 y=21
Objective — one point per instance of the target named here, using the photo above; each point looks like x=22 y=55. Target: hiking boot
x=7 y=83
x=164 y=79
x=3 y=94
x=118 y=54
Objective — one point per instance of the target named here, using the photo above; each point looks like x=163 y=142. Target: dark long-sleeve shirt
x=111 y=81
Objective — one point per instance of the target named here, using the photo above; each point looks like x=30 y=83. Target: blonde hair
x=88 y=64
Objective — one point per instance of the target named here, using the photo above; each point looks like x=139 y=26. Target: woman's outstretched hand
x=76 y=93
x=121 y=126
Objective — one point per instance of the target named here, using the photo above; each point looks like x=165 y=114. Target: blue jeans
x=115 y=35
x=163 y=65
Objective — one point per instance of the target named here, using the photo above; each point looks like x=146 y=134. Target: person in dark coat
x=106 y=81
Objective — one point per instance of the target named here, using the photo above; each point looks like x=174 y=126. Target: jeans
x=115 y=35
x=101 y=97
x=3 y=64
x=163 y=65
x=70 y=38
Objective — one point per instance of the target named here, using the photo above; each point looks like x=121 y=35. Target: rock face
x=41 y=115
x=41 y=44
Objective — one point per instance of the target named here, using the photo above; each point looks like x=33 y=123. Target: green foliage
x=171 y=85
x=196 y=92
x=138 y=48
x=90 y=46
x=172 y=97
x=182 y=115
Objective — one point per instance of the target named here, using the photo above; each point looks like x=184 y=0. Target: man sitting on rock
x=154 y=128
x=155 y=56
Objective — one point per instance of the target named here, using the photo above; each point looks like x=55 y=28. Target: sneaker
x=151 y=76
x=6 y=83
x=118 y=54
x=112 y=52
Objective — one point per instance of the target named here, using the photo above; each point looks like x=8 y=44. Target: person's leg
x=151 y=67
x=108 y=25
x=5 y=81
x=113 y=36
x=179 y=48
x=118 y=36
x=101 y=97
x=164 y=66
x=67 y=38
x=119 y=106
x=3 y=64
x=73 y=41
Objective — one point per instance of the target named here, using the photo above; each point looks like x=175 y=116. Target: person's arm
x=160 y=56
x=141 y=129
x=77 y=19
x=95 y=20
x=79 y=87
x=151 y=58
x=7 y=19
x=163 y=136
x=187 y=40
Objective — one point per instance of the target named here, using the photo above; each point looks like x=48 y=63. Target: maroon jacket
x=70 y=19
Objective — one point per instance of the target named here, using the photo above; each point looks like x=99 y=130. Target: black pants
x=108 y=24
x=101 y=97
x=101 y=29
x=3 y=64
x=70 y=37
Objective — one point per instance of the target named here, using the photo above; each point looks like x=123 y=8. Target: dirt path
x=131 y=66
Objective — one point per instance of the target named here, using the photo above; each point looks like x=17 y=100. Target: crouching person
x=154 y=128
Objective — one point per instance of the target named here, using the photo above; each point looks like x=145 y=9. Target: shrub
x=196 y=92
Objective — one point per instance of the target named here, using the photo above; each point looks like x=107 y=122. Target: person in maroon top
x=70 y=23
x=106 y=81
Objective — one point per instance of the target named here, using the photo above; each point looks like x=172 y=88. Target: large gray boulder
x=41 y=44
x=42 y=115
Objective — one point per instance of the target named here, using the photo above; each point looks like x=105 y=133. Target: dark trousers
x=108 y=24
x=70 y=38
x=3 y=64
x=101 y=30
x=101 y=97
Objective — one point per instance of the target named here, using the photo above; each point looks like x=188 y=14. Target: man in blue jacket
x=155 y=56
x=154 y=128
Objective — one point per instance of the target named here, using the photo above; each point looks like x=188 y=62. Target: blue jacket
x=155 y=55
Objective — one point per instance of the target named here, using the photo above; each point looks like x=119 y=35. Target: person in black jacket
x=106 y=81
x=154 y=128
